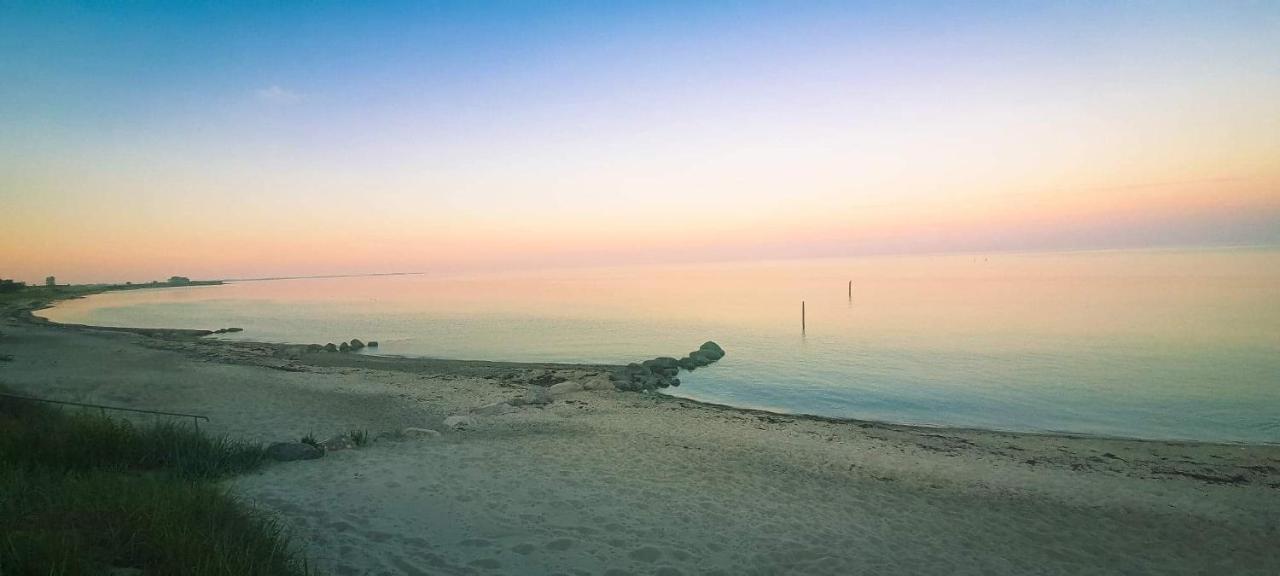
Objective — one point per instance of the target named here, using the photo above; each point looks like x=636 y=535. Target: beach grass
x=87 y=494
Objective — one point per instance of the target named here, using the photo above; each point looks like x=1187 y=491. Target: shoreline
x=297 y=351
x=479 y=470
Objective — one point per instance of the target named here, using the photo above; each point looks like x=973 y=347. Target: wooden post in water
x=802 y=316
x=851 y=290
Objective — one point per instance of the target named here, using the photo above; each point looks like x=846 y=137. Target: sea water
x=1150 y=344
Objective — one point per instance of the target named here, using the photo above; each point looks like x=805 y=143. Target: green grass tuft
x=35 y=435
x=82 y=494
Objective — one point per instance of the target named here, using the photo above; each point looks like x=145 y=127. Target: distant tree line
x=11 y=285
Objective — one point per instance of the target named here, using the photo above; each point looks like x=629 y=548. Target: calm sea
x=1158 y=344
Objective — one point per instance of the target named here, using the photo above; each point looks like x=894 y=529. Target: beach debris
x=662 y=371
x=356 y=344
x=288 y=451
x=419 y=433
x=338 y=442
x=495 y=409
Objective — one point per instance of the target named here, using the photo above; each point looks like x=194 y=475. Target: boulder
x=288 y=451
x=700 y=358
x=537 y=396
x=661 y=363
x=712 y=350
x=314 y=347
x=330 y=347
x=565 y=388
x=688 y=363
x=372 y=344
x=344 y=347
x=356 y=344
x=595 y=382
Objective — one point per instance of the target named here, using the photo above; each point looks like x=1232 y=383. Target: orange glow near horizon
x=696 y=135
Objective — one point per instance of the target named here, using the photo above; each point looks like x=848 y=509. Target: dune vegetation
x=88 y=494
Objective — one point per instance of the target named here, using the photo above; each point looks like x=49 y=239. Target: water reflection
x=1160 y=344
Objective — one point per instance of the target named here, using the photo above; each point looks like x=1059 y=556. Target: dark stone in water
x=330 y=347
x=356 y=344
x=372 y=344
x=662 y=372
x=712 y=350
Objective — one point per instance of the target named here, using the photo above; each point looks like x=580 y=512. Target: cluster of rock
x=227 y=330
x=352 y=346
x=663 y=371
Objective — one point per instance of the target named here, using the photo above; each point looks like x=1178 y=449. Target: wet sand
x=606 y=482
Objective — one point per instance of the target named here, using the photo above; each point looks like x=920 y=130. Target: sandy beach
x=599 y=481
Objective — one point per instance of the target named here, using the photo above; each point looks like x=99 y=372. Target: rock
x=419 y=433
x=330 y=347
x=344 y=347
x=675 y=381
x=597 y=382
x=700 y=358
x=688 y=363
x=712 y=350
x=459 y=422
x=537 y=396
x=356 y=344
x=372 y=344
x=661 y=363
x=288 y=451
x=565 y=388
x=314 y=347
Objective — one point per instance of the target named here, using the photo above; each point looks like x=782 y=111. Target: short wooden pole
x=851 y=289
x=802 y=327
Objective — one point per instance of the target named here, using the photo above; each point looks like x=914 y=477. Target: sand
x=607 y=482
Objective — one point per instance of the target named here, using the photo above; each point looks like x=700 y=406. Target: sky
x=140 y=140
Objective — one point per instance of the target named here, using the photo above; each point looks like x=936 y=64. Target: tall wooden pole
x=802 y=316
x=851 y=289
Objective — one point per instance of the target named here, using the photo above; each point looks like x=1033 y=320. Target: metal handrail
x=195 y=418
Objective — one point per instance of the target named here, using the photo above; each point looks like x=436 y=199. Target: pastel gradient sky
x=216 y=139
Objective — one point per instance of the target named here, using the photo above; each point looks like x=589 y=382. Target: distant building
x=50 y=281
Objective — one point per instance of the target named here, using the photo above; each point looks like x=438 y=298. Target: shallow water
x=1143 y=344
